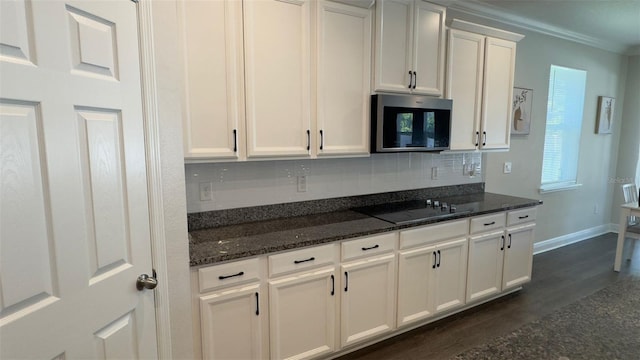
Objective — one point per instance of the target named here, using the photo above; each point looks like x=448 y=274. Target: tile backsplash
x=242 y=184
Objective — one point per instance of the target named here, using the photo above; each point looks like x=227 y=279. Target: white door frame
x=154 y=177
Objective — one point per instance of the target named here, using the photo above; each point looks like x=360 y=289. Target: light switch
x=507 y=167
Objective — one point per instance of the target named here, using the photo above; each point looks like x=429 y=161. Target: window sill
x=545 y=189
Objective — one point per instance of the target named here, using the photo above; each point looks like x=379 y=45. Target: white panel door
x=74 y=228
x=393 y=58
x=416 y=277
x=368 y=298
x=518 y=256
x=211 y=36
x=231 y=322
x=302 y=310
x=484 y=273
x=499 y=68
x=277 y=77
x=428 y=42
x=451 y=280
x=344 y=58
x=465 y=66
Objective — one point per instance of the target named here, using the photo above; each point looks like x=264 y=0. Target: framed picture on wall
x=521 y=112
x=606 y=105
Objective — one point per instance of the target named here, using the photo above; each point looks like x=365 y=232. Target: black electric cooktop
x=406 y=212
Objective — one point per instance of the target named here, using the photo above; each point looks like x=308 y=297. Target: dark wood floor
x=560 y=277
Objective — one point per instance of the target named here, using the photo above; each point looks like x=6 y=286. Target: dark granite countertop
x=208 y=246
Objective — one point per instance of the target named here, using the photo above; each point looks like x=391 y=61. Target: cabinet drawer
x=433 y=233
x=219 y=276
x=302 y=259
x=368 y=246
x=521 y=216
x=487 y=223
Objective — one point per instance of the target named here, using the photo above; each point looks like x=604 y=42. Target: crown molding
x=494 y=13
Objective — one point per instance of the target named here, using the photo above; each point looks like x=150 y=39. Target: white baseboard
x=572 y=238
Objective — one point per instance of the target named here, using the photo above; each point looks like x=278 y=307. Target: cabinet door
x=302 y=311
x=465 y=63
x=451 y=275
x=428 y=45
x=499 y=67
x=211 y=40
x=368 y=298
x=484 y=276
x=231 y=323
x=344 y=58
x=394 y=24
x=518 y=256
x=277 y=71
x=416 y=272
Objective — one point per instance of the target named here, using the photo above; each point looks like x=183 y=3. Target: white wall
x=589 y=206
x=271 y=182
x=628 y=166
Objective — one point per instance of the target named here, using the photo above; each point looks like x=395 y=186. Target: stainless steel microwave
x=409 y=123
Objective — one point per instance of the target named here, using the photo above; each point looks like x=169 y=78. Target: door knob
x=145 y=281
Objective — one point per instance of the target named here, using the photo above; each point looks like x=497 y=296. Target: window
x=564 y=126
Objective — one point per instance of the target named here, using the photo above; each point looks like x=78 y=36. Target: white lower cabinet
x=502 y=259
x=432 y=278
x=317 y=301
x=368 y=298
x=486 y=257
x=518 y=256
x=232 y=324
x=302 y=311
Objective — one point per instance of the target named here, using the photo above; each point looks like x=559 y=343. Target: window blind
x=563 y=128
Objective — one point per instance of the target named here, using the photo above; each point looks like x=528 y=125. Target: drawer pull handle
x=509 y=246
x=523 y=217
x=346 y=281
x=502 y=247
x=222 y=277
x=435 y=259
x=370 y=247
x=333 y=285
x=491 y=223
x=257 y=304
x=302 y=261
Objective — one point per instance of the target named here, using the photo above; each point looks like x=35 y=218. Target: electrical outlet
x=302 y=183
x=507 y=167
x=206 y=191
x=434 y=173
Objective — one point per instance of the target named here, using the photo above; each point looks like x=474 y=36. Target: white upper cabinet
x=410 y=42
x=274 y=79
x=278 y=78
x=343 y=79
x=465 y=64
x=480 y=73
x=213 y=96
x=499 y=69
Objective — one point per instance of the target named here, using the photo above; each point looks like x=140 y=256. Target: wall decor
x=521 y=112
x=606 y=105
